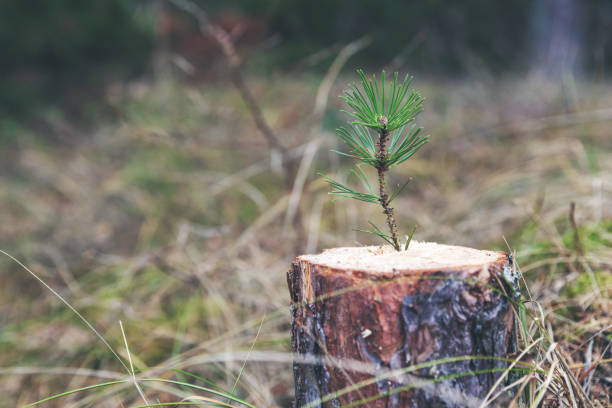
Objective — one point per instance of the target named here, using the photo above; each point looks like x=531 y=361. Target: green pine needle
x=343 y=192
x=410 y=144
x=379 y=136
x=399 y=108
x=398 y=190
x=409 y=238
x=360 y=142
x=378 y=232
x=361 y=176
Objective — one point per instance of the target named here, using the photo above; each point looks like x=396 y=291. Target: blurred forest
x=55 y=49
x=153 y=177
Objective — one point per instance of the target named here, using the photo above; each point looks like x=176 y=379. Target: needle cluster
x=381 y=135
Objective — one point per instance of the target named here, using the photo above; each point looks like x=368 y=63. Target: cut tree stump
x=368 y=323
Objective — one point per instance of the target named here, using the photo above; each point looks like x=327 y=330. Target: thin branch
x=224 y=40
x=572 y=219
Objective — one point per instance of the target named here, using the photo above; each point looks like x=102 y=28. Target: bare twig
x=549 y=122
x=334 y=70
x=572 y=219
x=293 y=178
x=226 y=45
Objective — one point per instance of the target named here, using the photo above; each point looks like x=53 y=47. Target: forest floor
x=174 y=219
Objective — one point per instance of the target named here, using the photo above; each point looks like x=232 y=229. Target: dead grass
x=173 y=221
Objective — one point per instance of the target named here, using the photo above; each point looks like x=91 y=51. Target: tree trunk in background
x=557 y=34
x=398 y=319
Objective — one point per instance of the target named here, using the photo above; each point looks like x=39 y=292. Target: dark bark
x=395 y=320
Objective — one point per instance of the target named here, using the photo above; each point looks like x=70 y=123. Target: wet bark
x=342 y=319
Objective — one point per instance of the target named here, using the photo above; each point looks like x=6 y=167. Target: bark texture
x=396 y=320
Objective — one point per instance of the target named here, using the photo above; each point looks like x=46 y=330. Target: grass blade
x=247 y=359
x=74 y=391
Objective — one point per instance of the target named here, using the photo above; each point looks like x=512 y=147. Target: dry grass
x=174 y=221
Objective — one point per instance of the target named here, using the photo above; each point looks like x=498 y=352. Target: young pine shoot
x=382 y=135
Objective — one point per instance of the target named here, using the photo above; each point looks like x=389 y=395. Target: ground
x=171 y=216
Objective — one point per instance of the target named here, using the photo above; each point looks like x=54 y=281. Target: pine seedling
x=381 y=135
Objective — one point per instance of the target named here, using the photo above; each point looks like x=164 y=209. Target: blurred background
x=159 y=159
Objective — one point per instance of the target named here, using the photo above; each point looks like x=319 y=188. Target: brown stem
x=226 y=44
x=572 y=218
x=384 y=197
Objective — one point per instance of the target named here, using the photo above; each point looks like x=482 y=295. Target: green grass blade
x=426 y=382
x=200 y=388
x=206 y=401
x=527 y=367
x=204 y=380
x=74 y=391
x=247 y=359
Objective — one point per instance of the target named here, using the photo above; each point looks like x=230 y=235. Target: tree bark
x=352 y=325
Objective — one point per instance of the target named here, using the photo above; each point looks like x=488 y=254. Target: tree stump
x=368 y=323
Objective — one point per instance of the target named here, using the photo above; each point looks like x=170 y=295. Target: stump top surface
x=419 y=256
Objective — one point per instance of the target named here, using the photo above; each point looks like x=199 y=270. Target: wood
x=356 y=316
